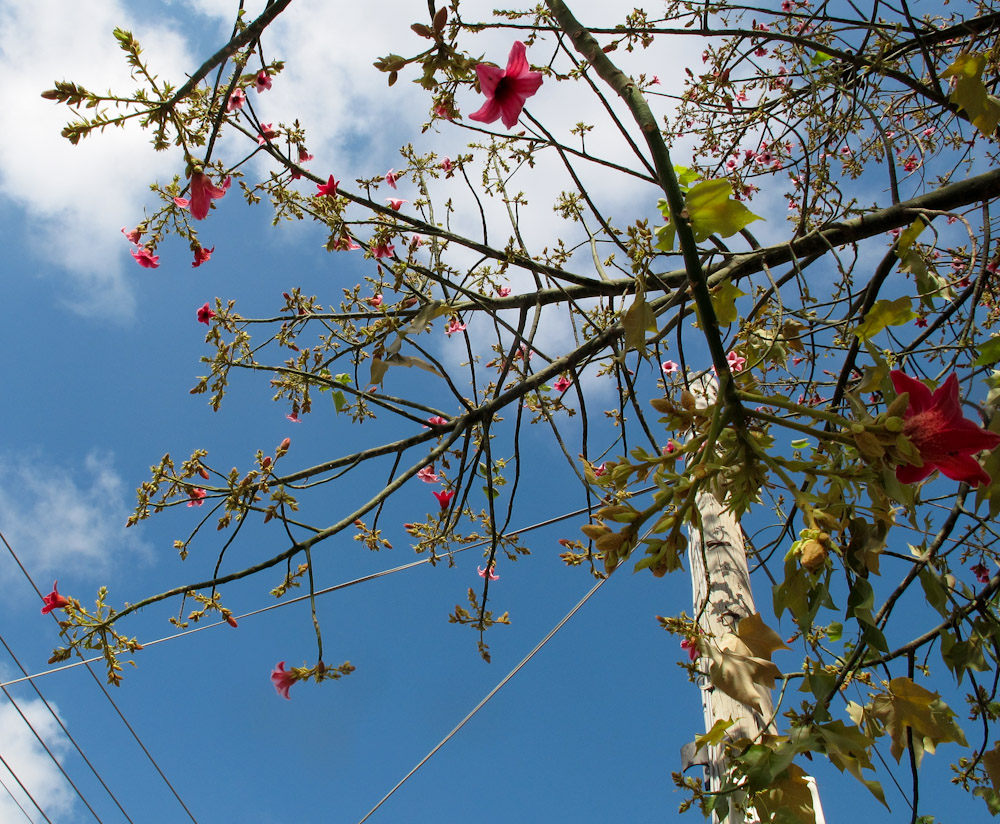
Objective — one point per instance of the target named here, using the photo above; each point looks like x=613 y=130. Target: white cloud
x=32 y=765
x=77 y=197
x=63 y=522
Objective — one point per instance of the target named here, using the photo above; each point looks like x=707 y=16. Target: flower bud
x=283 y=446
x=266 y=462
x=231 y=621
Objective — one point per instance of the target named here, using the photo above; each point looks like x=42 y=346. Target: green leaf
x=637 y=321
x=724 y=302
x=989 y=352
x=339 y=401
x=712 y=210
x=883 y=314
x=909 y=235
x=819 y=58
x=970 y=93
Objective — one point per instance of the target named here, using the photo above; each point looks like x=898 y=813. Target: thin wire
x=106 y=693
x=30 y=796
x=45 y=747
x=489 y=695
x=289 y=602
x=12 y=798
x=67 y=733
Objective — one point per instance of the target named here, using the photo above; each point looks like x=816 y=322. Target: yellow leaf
x=790 y=794
x=760 y=638
x=908 y=705
x=739 y=674
x=637 y=321
x=991 y=761
x=715 y=735
x=885 y=313
x=712 y=210
x=724 y=302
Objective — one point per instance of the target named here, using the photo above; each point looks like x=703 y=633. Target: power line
x=66 y=732
x=364 y=579
x=14 y=799
x=25 y=789
x=107 y=695
x=489 y=695
x=45 y=746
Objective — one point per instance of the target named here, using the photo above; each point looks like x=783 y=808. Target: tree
x=876 y=130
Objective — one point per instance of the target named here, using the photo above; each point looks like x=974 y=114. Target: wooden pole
x=720 y=581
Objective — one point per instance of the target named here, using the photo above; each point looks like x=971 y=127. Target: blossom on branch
x=391 y=178
x=454 y=326
x=205 y=314
x=197 y=496
x=145 y=258
x=282 y=680
x=428 y=476
x=54 y=600
x=329 y=189
x=945 y=439
x=669 y=367
x=262 y=82
x=203 y=192
x=444 y=498
x=201 y=256
x=236 y=100
x=506 y=91
x=562 y=384
x=488 y=571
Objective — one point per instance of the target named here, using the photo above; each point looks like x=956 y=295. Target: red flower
x=134 y=235
x=205 y=314
x=236 y=100
x=444 y=498
x=54 y=600
x=691 y=645
x=197 y=496
x=203 y=192
x=506 y=91
x=329 y=188
x=282 y=680
x=145 y=258
x=979 y=570
x=945 y=439
x=201 y=256
x=267 y=132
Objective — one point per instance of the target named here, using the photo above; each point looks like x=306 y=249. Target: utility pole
x=720 y=581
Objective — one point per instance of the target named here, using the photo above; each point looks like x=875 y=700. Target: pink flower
x=427 y=475
x=945 y=439
x=506 y=91
x=416 y=241
x=267 y=132
x=205 y=314
x=197 y=496
x=202 y=195
x=145 y=257
x=503 y=291
x=375 y=301
x=395 y=203
x=444 y=498
x=979 y=570
x=736 y=363
x=201 y=256
x=133 y=236
x=454 y=327
x=391 y=178
x=655 y=81
x=328 y=189
x=442 y=110
x=910 y=163
x=669 y=367
x=293 y=417
x=447 y=165
x=669 y=449
x=54 y=600
x=282 y=680
x=691 y=646
x=562 y=384
x=236 y=100
x=263 y=81
x=488 y=571
x=437 y=420
x=383 y=250
x=304 y=156
x=600 y=470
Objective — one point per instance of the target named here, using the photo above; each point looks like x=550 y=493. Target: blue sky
x=101 y=356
